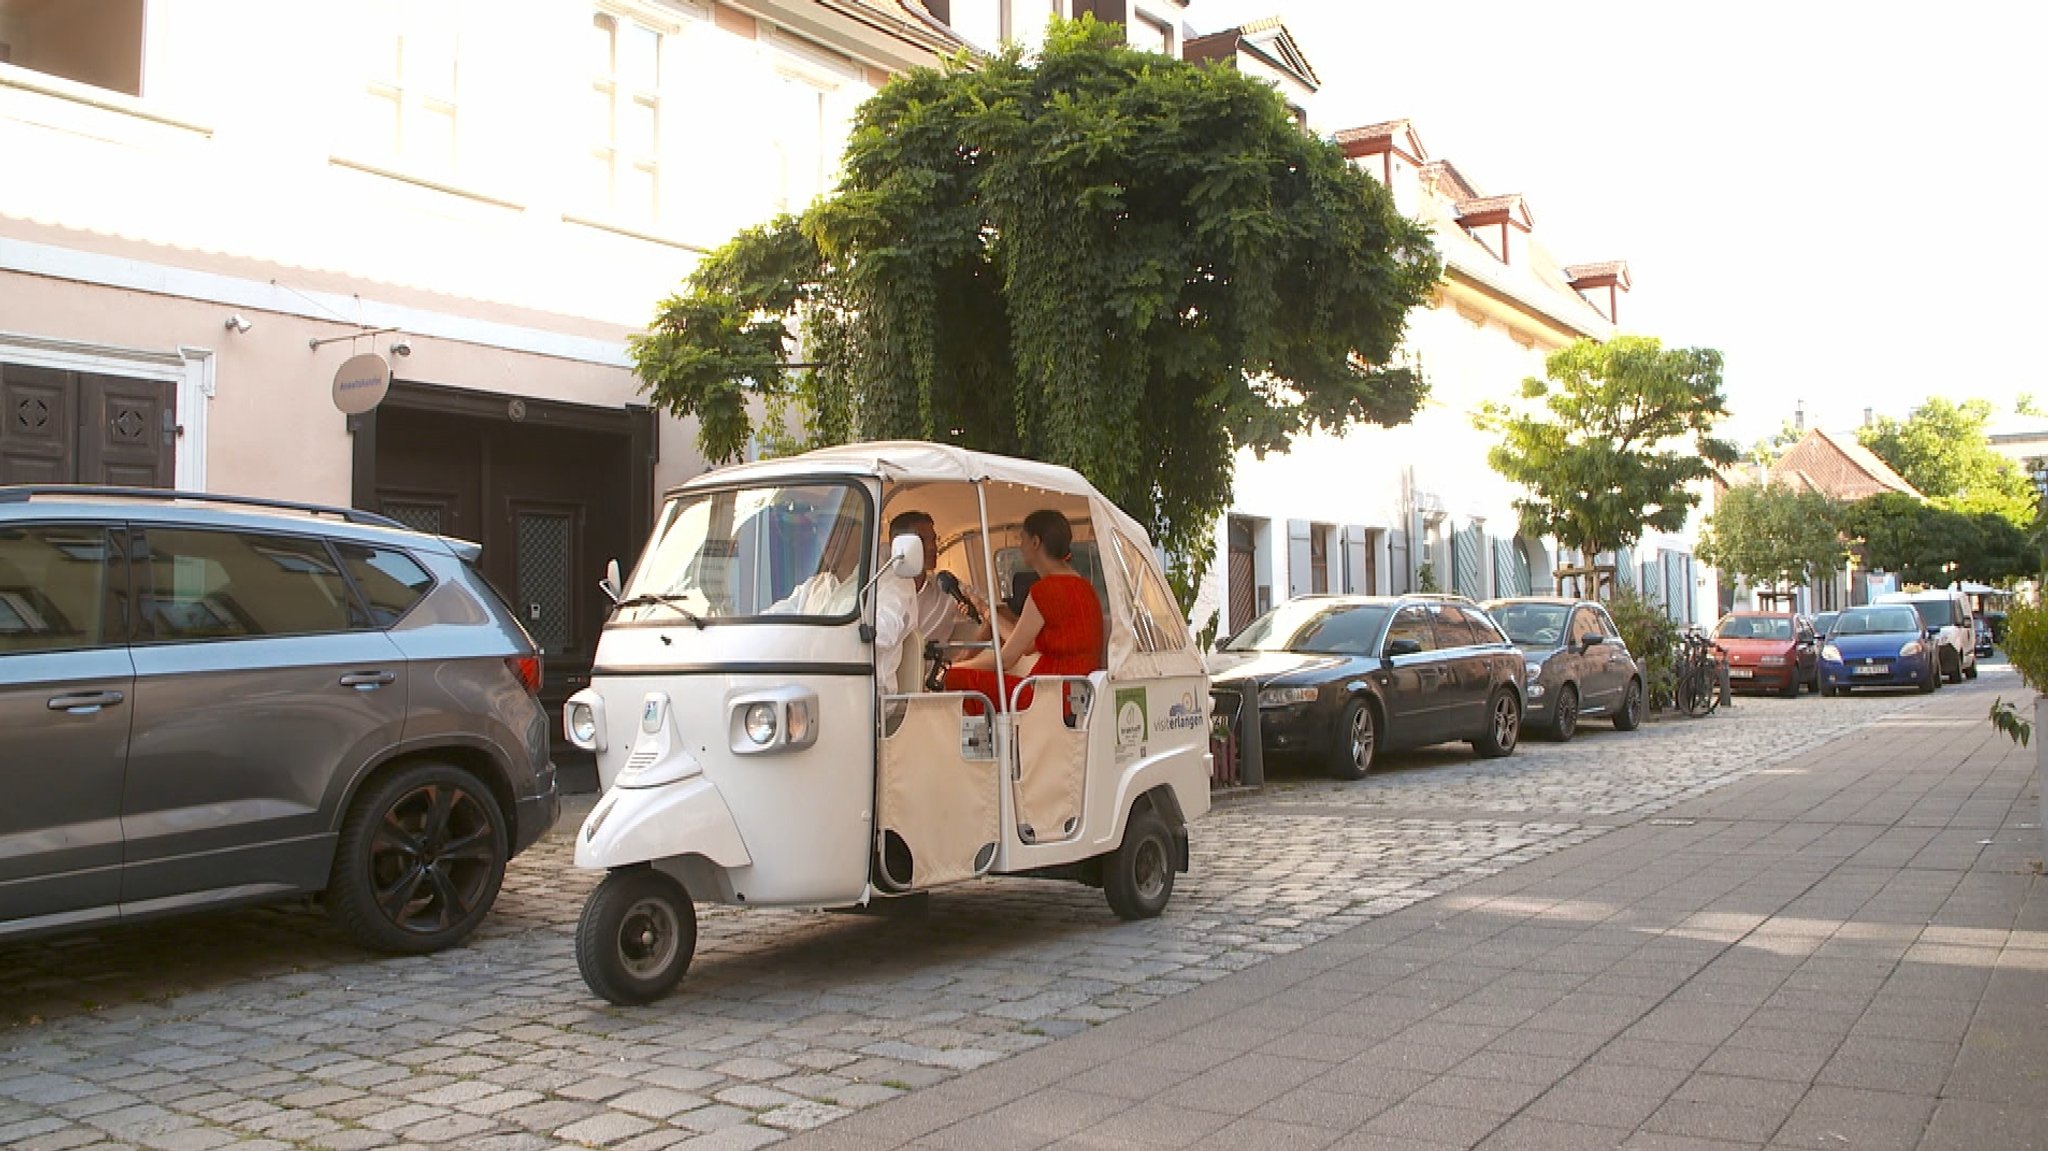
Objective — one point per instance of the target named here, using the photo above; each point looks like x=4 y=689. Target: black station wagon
x=1341 y=678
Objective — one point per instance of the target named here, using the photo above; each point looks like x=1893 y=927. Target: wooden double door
x=550 y=495
x=64 y=427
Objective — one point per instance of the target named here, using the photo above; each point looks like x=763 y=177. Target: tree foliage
x=1625 y=426
x=1773 y=534
x=1926 y=544
x=1103 y=258
x=1942 y=450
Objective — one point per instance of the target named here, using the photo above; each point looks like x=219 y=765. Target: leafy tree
x=1127 y=264
x=1773 y=534
x=1925 y=544
x=2027 y=405
x=1625 y=427
x=2003 y=553
x=1941 y=450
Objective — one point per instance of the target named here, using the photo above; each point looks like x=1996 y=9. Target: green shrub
x=1651 y=637
x=2026 y=645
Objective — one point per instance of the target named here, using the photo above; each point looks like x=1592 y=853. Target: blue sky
x=1838 y=196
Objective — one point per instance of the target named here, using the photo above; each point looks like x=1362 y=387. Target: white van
x=1946 y=615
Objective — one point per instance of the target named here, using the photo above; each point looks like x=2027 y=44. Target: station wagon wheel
x=637 y=936
x=1566 y=724
x=1503 y=725
x=1357 y=741
x=1137 y=878
x=1630 y=716
x=419 y=862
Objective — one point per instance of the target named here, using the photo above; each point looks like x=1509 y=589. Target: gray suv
x=211 y=700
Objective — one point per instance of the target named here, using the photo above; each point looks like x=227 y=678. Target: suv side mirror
x=1592 y=641
x=1403 y=647
x=610 y=584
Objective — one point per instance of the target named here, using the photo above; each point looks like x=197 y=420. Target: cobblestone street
x=262 y=1028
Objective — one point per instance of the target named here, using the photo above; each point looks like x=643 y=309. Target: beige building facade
x=209 y=206
x=1392 y=510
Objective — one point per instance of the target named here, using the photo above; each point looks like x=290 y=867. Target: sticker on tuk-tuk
x=1132 y=717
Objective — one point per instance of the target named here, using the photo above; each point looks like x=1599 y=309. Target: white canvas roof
x=914 y=461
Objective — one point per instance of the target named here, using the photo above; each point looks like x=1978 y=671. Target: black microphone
x=950 y=584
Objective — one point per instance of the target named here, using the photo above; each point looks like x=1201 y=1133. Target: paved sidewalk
x=1847 y=950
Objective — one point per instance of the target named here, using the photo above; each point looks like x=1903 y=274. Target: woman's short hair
x=1052 y=531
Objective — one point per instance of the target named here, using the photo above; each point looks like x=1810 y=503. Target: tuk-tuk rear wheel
x=1138 y=876
x=637 y=936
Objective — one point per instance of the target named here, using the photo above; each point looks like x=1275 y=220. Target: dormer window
x=1598 y=283
x=1493 y=221
x=1389 y=152
x=95 y=42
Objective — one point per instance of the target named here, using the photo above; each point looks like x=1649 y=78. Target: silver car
x=1577 y=664
x=212 y=701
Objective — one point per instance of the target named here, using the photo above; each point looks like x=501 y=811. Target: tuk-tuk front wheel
x=1138 y=876
x=637 y=936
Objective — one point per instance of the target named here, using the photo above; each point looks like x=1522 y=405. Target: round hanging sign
x=360 y=383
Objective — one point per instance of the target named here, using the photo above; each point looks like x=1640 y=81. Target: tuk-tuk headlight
x=760 y=722
x=582 y=725
x=583 y=720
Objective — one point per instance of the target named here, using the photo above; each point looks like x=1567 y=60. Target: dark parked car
x=1983 y=627
x=212 y=701
x=1770 y=651
x=1342 y=678
x=1578 y=666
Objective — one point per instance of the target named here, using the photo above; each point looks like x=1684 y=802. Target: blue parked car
x=1878 y=646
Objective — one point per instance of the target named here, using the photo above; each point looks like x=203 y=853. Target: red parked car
x=1770 y=651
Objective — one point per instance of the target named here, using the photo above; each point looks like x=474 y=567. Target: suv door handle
x=85 y=702
x=367 y=680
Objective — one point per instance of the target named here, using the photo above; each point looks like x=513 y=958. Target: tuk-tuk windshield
x=798 y=550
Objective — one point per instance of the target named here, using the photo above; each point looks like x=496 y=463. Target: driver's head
x=920 y=525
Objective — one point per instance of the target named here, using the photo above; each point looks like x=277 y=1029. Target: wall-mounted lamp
x=401 y=347
x=238 y=323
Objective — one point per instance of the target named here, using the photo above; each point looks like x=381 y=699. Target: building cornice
x=1474 y=283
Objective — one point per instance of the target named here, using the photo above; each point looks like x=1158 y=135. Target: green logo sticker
x=1132 y=718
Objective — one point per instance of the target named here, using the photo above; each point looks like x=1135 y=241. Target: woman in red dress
x=1061 y=620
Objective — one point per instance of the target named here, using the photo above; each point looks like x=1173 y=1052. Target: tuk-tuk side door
x=938 y=801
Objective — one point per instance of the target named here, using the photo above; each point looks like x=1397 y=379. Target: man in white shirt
x=936 y=612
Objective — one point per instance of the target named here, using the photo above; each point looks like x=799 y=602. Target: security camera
x=401 y=347
x=238 y=323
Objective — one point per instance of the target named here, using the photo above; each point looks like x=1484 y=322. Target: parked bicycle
x=1699 y=669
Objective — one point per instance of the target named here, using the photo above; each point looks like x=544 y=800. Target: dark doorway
x=59 y=427
x=550 y=490
x=1242 y=576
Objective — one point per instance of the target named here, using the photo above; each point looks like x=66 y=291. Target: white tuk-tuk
x=761 y=742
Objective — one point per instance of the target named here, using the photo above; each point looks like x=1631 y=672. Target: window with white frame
x=409 y=105
x=625 y=127
x=801 y=147
x=1150 y=35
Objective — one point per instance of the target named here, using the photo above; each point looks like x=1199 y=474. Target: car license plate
x=1741 y=673
x=1872 y=669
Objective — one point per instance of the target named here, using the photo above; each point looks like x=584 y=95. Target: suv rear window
x=391 y=582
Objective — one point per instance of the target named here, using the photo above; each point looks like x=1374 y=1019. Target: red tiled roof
x=1268 y=39
x=1840 y=468
x=1443 y=174
x=1511 y=205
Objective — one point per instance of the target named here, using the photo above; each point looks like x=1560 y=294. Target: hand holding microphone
x=950 y=584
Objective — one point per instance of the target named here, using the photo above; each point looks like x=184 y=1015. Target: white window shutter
x=1356 y=539
x=1297 y=558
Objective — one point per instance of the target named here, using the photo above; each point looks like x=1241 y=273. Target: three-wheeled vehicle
x=767 y=736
